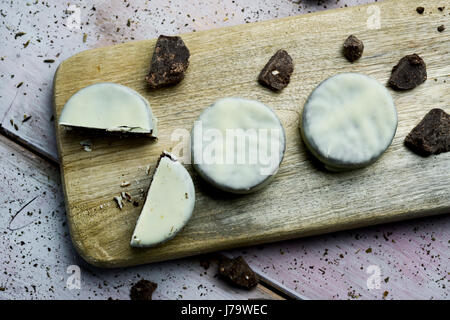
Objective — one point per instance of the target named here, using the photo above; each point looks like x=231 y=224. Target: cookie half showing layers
x=348 y=121
x=169 y=204
x=110 y=107
x=237 y=145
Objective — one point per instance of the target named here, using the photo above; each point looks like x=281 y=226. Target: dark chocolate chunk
x=277 y=72
x=420 y=10
x=431 y=135
x=143 y=290
x=441 y=28
x=441 y=8
x=169 y=62
x=353 y=48
x=237 y=272
x=409 y=72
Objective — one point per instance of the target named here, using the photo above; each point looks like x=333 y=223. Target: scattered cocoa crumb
x=119 y=202
x=409 y=72
x=353 y=48
x=86 y=144
x=19 y=34
x=237 y=272
x=205 y=264
x=136 y=203
x=441 y=8
x=143 y=290
x=19 y=84
x=126 y=196
x=84 y=37
x=26 y=118
x=26 y=44
x=125 y=184
x=385 y=294
x=49 y=60
x=369 y=250
x=441 y=28
x=420 y=10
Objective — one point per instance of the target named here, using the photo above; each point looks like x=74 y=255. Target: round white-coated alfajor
x=237 y=144
x=348 y=121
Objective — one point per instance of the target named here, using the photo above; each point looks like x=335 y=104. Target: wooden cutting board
x=303 y=199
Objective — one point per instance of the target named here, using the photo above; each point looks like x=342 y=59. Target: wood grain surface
x=303 y=199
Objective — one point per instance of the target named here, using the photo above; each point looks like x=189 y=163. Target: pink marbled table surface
x=411 y=258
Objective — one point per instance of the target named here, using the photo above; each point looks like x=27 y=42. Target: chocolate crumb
x=49 y=60
x=276 y=74
x=119 y=202
x=409 y=72
x=420 y=10
x=353 y=48
x=441 y=8
x=205 y=264
x=26 y=118
x=19 y=34
x=237 y=272
x=431 y=135
x=441 y=28
x=143 y=290
x=169 y=62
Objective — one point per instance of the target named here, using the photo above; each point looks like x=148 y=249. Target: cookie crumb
x=353 y=48
x=143 y=290
x=237 y=272
x=169 y=62
x=277 y=72
x=431 y=135
x=409 y=72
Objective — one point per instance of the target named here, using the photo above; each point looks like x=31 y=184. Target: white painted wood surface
x=36 y=250
x=413 y=271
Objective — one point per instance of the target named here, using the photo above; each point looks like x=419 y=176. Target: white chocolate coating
x=168 y=207
x=250 y=141
x=348 y=121
x=110 y=107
